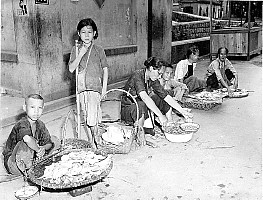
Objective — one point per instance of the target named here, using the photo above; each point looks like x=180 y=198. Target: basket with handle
x=125 y=146
x=75 y=142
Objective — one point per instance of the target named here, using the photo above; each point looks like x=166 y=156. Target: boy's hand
x=41 y=152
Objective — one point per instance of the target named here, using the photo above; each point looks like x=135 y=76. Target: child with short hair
x=174 y=88
x=92 y=76
x=29 y=138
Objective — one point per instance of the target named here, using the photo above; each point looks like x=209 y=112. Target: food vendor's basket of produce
x=203 y=100
x=74 y=164
x=237 y=93
x=71 y=168
x=117 y=137
x=180 y=132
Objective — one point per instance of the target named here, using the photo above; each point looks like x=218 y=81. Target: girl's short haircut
x=219 y=50
x=34 y=96
x=153 y=62
x=88 y=22
x=192 y=50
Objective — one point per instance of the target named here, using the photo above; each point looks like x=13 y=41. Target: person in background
x=184 y=71
x=221 y=73
x=29 y=138
x=140 y=84
x=92 y=77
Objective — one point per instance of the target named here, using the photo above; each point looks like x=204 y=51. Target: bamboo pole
x=249 y=27
x=77 y=94
x=211 y=27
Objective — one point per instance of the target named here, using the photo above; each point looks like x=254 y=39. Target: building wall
x=36 y=45
x=162 y=29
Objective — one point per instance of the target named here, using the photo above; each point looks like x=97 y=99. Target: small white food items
x=116 y=134
x=76 y=166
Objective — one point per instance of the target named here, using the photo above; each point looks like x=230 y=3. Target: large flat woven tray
x=37 y=170
x=200 y=104
x=192 y=101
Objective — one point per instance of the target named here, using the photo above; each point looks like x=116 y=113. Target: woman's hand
x=187 y=115
x=230 y=92
x=163 y=120
x=41 y=152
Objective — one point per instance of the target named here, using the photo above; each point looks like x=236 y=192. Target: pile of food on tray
x=208 y=96
x=237 y=93
x=76 y=166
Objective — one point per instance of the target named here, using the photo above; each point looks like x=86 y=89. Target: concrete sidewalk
x=222 y=161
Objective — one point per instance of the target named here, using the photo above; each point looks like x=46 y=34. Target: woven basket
x=67 y=145
x=201 y=104
x=124 y=147
x=37 y=170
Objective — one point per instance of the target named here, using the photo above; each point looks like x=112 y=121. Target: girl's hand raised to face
x=83 y=50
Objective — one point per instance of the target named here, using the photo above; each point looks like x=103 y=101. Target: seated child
x=29 y=138
x=184 y=71
x=221 y=73
x=174 y=88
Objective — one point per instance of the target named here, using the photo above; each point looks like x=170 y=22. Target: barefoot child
x=28 y=139
x=92 y=77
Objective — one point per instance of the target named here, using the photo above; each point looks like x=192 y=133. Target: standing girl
x=92 y=75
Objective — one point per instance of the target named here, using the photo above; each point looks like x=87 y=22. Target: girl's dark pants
x=212 y=81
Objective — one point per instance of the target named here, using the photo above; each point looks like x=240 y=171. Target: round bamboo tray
x=36 y=172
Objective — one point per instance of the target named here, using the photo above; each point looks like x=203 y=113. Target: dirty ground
x=222 y=161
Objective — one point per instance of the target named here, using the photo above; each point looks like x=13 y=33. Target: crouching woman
x=221 y=73
x=140 y=84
